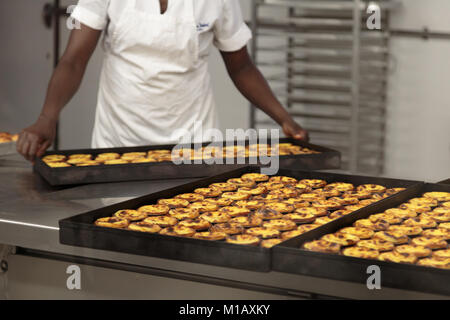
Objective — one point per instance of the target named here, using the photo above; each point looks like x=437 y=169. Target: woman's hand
x=34 y=140
x=294 y=130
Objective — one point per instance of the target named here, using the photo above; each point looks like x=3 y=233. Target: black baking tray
x=445 y=181
x=327 y=159
x=288 y=256
x=81 y=231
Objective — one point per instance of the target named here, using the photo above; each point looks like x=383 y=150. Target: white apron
x=153 y=81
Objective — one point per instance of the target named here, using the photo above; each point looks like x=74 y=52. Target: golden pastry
x=283 y=180
x=244 y=239
x=372 y=188
x=247 y=222
x=401 y=213
x=327 y=193
x=115 y=162
x=314 y=183
x=376 y=244
x=85 y=157
x=215 y=217
x=345 y=200
x=300 y=218
x=279 y=207
x=343 y=239
x=341 y=186
x=204 y=206
x=391 y=219
x=269 y=243
x=271 y=186
x=224 y=186
x=355 y=207
x=191 y=197
x=302 y=188
x=142 y=226
x=437 y=233
x=311 y=197
x=235 y=211
x=392 y=191
x=263 y=233
x=421 y=221
x=162 y=221
x=197 y=224
x=54 y=158
x=323 y=246
x=409 y=231
x=432 y=243
x=174 y=203
x=107 y=157
x=418 y=251
x=360 y=252
x=280 y=224
x=307 y=227
x=442 y=254
x=228 y=228
x=444 y=225
x=393 y=256
x=144 y=160
x=446 y=204
x=253 y=191
x=266 y=213
x=323 y=220
x=210 y=235
x=178 y=231
x=326 y=204
x=376 y=226
x=131 y=215
x=361 y=233
x=297 y=203
x=208 y=192
x=284 y=193
x=130 y=156
x=155 y=209
x=112 y=222
x=250 y=204
x=184 y=213
x=242 y=183
x=90 y=163
x=235 y=195
x=361 y=194
x=416 y=207
x=439 y=196
x=220 y=202
x=391 y=236
x=435 y=263
x=257 y=177
x=424 y=201
x=339 y=213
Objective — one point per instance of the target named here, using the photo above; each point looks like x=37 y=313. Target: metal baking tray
x=327 y=159
x=7 y=148
x=288 y=257
x=81 y=231
x=444 y=182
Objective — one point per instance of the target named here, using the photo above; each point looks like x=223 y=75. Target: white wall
x=418 y=115
x=25 y=62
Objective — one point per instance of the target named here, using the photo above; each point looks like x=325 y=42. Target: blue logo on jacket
x=202 y=26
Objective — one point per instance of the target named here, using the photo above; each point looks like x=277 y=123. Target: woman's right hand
x=37 y=138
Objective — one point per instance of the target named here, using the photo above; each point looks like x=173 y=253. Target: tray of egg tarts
x=188 y=161
x=406 y=236
x=233 y=219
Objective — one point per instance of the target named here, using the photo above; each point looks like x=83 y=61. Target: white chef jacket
x=219 y=23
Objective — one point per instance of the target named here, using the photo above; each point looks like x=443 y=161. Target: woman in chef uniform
x=155 y=76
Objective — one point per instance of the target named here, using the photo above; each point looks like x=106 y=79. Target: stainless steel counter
x=30 y=210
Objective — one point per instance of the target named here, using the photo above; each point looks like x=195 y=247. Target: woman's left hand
x=294 y=130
